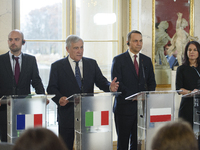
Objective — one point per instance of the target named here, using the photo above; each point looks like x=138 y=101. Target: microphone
x=145 y=84
x=14 y=87
x=198 y=82
x=196 y=71
x=82 y=81
x=13 y=58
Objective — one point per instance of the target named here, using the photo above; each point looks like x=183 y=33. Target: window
x=46 y=26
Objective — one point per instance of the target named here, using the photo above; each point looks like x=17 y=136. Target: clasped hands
x=185 y=91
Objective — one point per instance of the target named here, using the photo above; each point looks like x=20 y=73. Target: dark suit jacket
x=29 y=75
x=129 y=83
x=62 y=82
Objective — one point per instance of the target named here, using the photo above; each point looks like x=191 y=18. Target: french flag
x=160 y=114
x=26 y=121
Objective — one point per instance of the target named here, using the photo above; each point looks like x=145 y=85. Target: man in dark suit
x=134 y=72
x=64 y=82
x=16 y=80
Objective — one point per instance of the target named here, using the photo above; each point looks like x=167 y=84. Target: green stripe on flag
x=88 y=119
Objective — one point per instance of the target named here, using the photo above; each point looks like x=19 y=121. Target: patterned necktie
x=136 y=65
x=17 y=70
x=78 y=74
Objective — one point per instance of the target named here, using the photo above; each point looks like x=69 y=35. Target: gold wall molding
x=153 y=32
x=191 y=17
x=71 y=17
x=129 y=15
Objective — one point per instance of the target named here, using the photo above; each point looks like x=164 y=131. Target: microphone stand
x=145 y=84
x=14 y=85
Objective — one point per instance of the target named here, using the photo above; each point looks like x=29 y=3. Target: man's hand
x=47 y=102
x=63 y=101
x=114 y=85
x=195 y=90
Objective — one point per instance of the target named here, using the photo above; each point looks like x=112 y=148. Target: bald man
x=17 y=72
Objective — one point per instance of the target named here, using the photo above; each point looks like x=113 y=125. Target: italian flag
x=96 y=118
x=26 y=121
x=160 y=114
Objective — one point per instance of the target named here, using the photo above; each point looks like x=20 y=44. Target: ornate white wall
x=141 y=19
x=196 y=18
x=5 y=23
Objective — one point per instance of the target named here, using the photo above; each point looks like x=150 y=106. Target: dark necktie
x=78 y=74
x=136 y=65
x=17 y=70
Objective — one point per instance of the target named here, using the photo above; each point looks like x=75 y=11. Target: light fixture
x=104 y=18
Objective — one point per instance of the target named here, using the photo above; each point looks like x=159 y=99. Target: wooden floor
x=114 y=145
x=163 y=87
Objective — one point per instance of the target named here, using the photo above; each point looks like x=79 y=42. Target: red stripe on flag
x=104 y=117
x=37 y=120
x=160 y=118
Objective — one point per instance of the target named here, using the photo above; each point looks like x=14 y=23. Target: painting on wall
x=166 y=10
x=172 y=18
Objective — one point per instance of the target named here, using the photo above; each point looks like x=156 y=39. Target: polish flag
x=160 y=114
x=96 y=118
x=26 y=121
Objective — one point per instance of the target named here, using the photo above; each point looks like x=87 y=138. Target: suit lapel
x=130 y=64
x=86 y=73
x=8 y=66
x=140 y=66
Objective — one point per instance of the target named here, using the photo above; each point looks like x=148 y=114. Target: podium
x=196 y=113
x=155 y=108
x=93 y=121
x=23 y=112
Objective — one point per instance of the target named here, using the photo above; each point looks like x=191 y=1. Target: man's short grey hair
x=72 y=39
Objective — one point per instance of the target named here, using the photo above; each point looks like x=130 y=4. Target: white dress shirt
x=73 y=65
x=13 y=62
x=133 y=58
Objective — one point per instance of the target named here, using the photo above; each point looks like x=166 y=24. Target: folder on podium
x=23 y=112
x=155 y=108
x=93 y=121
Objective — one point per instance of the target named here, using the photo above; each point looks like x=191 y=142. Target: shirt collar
x=132 y=55
x=71 y=60
x=10 y=54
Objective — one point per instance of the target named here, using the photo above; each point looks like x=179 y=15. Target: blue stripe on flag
x=20 y=122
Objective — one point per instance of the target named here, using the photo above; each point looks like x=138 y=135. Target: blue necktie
x=78 y=74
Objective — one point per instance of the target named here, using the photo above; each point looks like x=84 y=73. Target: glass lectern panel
x=196 y=112
x=24 y=112
x=93 y=121
x=155 y=108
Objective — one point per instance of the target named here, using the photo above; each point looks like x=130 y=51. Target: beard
x=14 y=48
